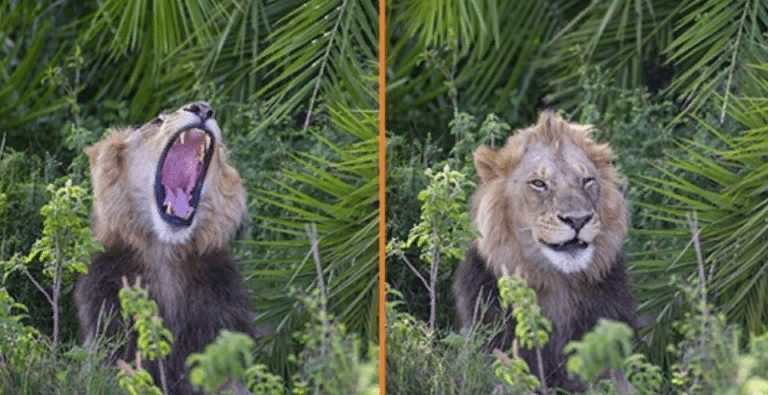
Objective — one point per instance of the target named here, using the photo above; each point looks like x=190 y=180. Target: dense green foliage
x=293 y=84
x=678 y=90
x=442 y=232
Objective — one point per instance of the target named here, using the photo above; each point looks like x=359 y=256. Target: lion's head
x=548 y=200
x=169 y=180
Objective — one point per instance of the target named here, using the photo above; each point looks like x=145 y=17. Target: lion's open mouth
x=180 y=174
x=570 y=246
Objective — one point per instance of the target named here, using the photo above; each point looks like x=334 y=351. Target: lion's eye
x=159 y=119
x=588 y=181
x=538 y=184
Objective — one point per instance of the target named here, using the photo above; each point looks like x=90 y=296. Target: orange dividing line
x=382 y=199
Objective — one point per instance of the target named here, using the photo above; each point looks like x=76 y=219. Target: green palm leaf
x=312 y=50
x=618 y=36
x=725 y=186
x=337 y=193
x=714 y=43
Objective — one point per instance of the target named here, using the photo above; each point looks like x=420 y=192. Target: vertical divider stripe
x=382 y=198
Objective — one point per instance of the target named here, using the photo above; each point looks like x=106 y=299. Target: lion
x=166 y=203
x=548 y=209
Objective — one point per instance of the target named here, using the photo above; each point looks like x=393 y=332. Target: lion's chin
x=569 y=260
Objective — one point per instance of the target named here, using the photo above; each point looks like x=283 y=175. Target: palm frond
x=714 y=43
x=337 y=193
x=724 y=184
x=620 y=37
x=490 y=62
x=25 y=51
x=465 y=25
x=312 y=48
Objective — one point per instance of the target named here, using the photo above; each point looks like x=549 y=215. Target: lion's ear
x=485 y=163
x=107 y=162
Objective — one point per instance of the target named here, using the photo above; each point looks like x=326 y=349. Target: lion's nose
x=201 y=109
x=575 y=222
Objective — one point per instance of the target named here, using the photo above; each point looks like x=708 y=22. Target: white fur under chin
x=568 y=263
x=170 y=234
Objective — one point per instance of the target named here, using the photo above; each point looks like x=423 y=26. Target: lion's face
x=169 y=178
x=548 y=198
x=558 y=192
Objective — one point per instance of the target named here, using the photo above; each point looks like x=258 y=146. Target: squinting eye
x=588 y=181
x=538 y=184
x=158 y=120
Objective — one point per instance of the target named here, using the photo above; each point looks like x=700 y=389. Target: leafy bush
x=31 y=363
x=63 y=248
x=229 y=359
x=423 y=361
x=444 y=230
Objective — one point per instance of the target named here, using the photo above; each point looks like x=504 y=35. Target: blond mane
x=124 y=212
x=494 y=213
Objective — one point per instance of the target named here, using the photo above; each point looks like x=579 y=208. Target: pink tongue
x=180 y=173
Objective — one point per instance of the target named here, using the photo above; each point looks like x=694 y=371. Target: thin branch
x=322 y=66
x=693 y=224
x=2 y=146
x=424 y=281
x=733 y=64
x=433 y=281
x=37 y=284
x=92 y=341
x=540 y=363
x=314 y=245
x=476 y=309
x=315 y=249
x=56 y=291
x=163 y=380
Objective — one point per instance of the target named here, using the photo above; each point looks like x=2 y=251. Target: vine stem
x=323 y=65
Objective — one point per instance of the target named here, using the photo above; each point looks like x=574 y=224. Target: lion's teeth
x=181 y=137
x=202 y=154
x=207 y=141
x=190 y=213
x=168 y=209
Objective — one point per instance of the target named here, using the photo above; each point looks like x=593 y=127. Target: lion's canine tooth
x=181 y=137
x=168 y=209
x=207 y=141
x=202 y=153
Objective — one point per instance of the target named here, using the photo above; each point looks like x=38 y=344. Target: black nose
x=201 y=109
x=575 y=222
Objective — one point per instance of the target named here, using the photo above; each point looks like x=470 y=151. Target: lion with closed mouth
x=166 y=203
x=548 y=210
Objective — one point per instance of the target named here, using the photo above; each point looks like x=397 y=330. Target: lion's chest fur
x=571 y=303
x=165 y=279
x=558 y=303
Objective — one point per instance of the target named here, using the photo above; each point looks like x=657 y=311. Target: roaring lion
x=548 y=210
x=167 y=201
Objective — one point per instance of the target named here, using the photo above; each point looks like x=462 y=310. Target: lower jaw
x=571 y=261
